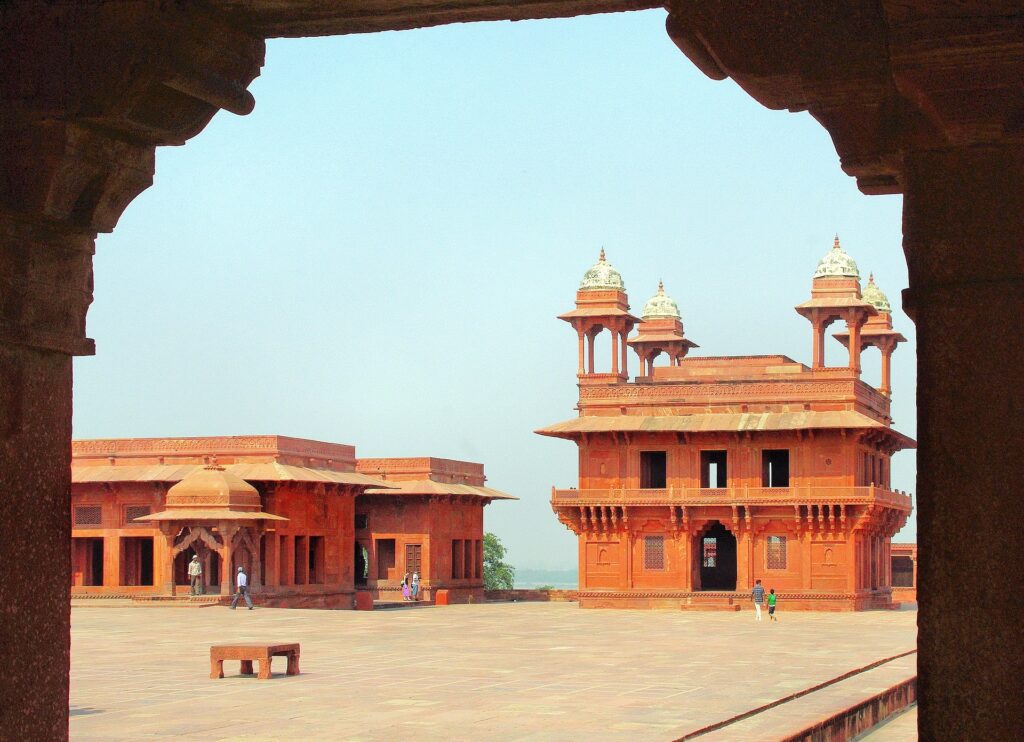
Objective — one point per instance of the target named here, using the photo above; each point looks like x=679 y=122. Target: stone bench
x=247 y=653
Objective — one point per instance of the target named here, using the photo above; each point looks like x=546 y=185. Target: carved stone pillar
x=580 y=368
x=963 y=230
x=854 y=322
x=87 y=93
x=45 y=289
x=169 y=555
x=886 y=347
x=818 y=348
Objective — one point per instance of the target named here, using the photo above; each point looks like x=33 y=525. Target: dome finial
x=602 y=277
x=875 y=296
x=836 y=264
x=661 y=306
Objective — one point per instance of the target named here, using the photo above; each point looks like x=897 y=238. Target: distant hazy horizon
x=377 y=254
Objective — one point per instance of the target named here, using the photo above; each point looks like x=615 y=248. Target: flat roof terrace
x=533 y=671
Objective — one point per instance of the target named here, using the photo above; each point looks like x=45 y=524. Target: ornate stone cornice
x=884 y=78
x=88 y=91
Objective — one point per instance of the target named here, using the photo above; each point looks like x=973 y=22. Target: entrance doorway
x=87 y=558
x=137 y=560
x=362 y=562
x=716 y=555
x=211 y=568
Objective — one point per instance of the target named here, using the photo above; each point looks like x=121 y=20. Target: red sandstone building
x=310 y=523
x=698 y=477
x=904 y=572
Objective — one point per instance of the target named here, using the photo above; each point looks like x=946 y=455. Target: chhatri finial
x=871 y=277
x=835 y=244
x=601 y=259
x=661 y=286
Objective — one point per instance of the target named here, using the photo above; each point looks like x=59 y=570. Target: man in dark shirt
x=758 y=596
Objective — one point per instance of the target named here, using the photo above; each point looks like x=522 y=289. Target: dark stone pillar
x=89 y=90
x=964 y=239
x=45 y=289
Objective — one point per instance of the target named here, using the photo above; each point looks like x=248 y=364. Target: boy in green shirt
x=771 y=605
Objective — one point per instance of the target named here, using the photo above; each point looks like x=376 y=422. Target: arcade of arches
x=921 y=98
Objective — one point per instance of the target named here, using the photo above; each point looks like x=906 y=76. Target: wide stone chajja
x=921 y=98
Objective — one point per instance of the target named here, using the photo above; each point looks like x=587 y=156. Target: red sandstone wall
x=419 y=520
x=826 y=460
x=113 y=527
x=328 y=515
x=532 y=596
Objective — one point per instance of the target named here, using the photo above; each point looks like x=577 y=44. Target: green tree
x=497 y=574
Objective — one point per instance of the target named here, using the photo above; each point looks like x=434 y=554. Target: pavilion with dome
x=312 y=525
x=700 y=475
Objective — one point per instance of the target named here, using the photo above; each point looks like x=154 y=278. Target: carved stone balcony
x=870 y=495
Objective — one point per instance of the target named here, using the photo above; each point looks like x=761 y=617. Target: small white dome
x=837 y=264
x=602 y=277
x=661 y=306
x=875 y=297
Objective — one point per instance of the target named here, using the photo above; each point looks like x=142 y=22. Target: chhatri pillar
x=835 y=294
x=660 y=331
x=877 y=332
x=602 y=305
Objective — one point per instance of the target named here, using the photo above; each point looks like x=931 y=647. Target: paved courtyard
x=516 y=671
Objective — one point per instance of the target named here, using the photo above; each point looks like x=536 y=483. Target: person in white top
x=242 y=581
x=195 y=575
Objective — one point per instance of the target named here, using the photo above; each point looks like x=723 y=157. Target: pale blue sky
x=376 y=255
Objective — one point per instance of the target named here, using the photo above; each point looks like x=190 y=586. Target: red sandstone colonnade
x=921 y=98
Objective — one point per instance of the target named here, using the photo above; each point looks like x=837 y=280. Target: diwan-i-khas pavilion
x=699 y=477
x=301 y=516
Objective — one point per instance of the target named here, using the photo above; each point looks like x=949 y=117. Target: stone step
x=384 y=605
x=838 y=711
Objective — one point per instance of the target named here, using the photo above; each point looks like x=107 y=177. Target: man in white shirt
x=242 y=580
x=195 y=575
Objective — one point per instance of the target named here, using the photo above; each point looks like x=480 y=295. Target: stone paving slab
x=514 y=671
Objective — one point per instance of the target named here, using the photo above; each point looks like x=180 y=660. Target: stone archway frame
x=245 y=538
x=699 y=530
x=201 y=534
x=916 y=98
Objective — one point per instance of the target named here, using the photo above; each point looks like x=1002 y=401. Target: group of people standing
x=411 y=586
x=758 y=596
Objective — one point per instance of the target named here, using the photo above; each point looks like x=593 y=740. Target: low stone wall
x=534 y=596
x=904 y=594
x=852 y=722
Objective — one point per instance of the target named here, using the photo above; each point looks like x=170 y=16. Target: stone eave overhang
x=739 y=423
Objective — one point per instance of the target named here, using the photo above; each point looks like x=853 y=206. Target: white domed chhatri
x=837 y=264
x=661 y=306
x=875 y=297
x=602 y=277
